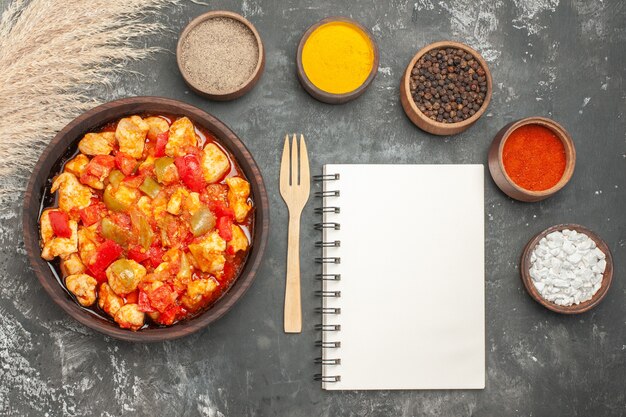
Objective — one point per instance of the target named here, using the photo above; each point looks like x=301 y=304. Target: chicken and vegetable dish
x=151 y=222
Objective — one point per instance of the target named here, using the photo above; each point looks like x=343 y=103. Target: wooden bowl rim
x=325 y=96
x=33 y=199
x=607 y=277
x=407 y=88
x=564 y=137
x=252 y=79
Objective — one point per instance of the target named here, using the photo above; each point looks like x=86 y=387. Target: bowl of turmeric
x=337 y=60
x=532 y=159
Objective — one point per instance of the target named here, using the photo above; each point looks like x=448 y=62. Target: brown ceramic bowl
x=64 y=145
x=575 y=308
x=248 y=84
x=505 y=183
x=419 y=118
x=322 y=95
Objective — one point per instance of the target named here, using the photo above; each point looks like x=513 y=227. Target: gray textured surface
x=561 y=59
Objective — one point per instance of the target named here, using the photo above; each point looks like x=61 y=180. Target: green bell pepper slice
x=115 y=177
x=150 y=187
x=112 y=231
x=202 y=221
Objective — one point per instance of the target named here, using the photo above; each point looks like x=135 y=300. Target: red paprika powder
x=534 y=157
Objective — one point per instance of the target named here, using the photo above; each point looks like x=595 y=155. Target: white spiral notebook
x=403 y=277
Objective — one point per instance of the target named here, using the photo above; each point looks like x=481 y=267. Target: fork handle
x=293 y=308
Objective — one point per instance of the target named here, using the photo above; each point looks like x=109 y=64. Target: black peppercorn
x=448 y=85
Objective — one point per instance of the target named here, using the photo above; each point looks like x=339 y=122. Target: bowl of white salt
x=567 y=268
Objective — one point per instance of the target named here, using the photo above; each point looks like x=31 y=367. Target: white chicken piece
x=131 y=135
x=175 y=202
x=239 y=242
x=209 y=253
x=125 y=195
x=169 y=175
x=83 y=287
x=76 y=165
x=108 y=300
x=157 y=125
x=159 y=206
x=215 y=163
x=87 y=246
x=196 y=291
x=192 y=203
x=124 y=275
x=72 y=194
x=54 y=246
x=145 y=205
x=130 y=317
x=97 y=143
x=238 y=193
x=162 y=268
x=172 y=255
x=182 y=133
x=72 y=265
x=147 y=164
x=185 y=271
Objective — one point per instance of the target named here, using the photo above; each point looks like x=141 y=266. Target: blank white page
x=412 y=277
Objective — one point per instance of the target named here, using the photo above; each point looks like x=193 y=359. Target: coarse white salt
x=567 y=268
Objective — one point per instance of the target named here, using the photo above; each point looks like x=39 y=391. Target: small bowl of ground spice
x=337 y=60
x=567 y=268
x=220 y=55
x=532 y=159
x=446 y=88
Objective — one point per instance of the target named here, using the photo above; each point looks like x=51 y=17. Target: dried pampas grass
x=53 y=56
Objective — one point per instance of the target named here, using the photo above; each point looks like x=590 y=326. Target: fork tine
x=294 y=161
x=305 y=179
x=284 y=165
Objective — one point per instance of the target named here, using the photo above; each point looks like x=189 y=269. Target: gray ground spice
x=219 y=55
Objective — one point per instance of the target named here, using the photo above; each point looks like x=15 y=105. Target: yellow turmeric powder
x=338 y=57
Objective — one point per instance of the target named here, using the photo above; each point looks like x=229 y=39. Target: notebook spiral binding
x=333 y=209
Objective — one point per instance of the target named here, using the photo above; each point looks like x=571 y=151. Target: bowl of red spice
x=532 y=159
x=446 y=88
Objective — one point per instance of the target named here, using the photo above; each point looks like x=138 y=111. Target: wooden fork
x=295 y=185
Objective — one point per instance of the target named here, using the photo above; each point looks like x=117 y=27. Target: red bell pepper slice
x=60 y=223
x=137 y=254
x=190 y=172
x=108 y=252
x=162 y=297
x=155 y=254
x=168 y=316
x=220 y=210
x=228 y=273
x=132 y=298
x=99 y=275
x=125 y=163
x=93 y=213
x=224 y=228
x=100 y=166
x=133 y=181
x=144 y=303
x=161 y=141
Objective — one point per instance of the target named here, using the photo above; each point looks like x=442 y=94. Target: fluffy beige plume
x=52 y=55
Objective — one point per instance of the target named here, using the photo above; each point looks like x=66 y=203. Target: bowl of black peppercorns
x=446 y=88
